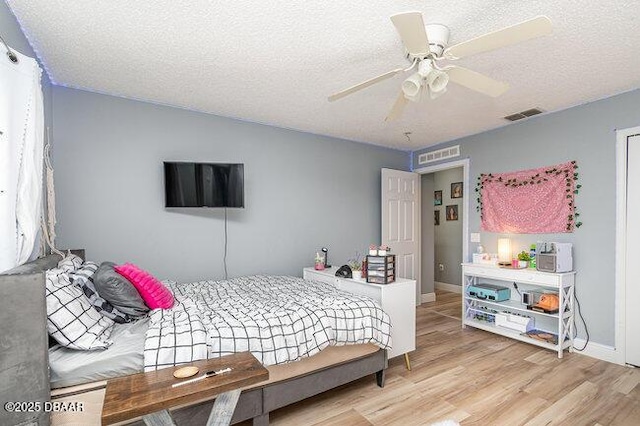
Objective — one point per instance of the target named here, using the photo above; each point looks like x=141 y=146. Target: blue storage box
x=494 y=293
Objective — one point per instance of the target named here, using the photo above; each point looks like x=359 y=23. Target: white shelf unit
x=560 y=324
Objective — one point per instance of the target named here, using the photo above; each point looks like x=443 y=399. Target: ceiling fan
x=425 y=46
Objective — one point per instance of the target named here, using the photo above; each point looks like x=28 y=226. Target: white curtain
x=21 y=157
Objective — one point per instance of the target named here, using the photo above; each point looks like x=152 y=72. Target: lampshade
x=504 y=250
x=437 y=80
x=411 y=86
x=435 y=95
x=415 y=98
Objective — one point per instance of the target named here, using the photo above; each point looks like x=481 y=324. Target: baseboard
x=598 y=351
x=427 y=297
x=449 y=287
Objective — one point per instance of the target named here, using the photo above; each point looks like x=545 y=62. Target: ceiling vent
x=524 y=114
x=441 y=154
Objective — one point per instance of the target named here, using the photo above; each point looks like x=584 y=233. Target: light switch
x=475 y=237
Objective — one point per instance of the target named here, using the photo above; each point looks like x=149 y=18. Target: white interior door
x=632 y=291
x=401 y=222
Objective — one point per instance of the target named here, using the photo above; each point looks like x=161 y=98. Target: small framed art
x=452 y=212
x=437 y=198
x=456 y=190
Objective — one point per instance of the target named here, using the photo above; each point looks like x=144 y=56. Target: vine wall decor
x=536 y=201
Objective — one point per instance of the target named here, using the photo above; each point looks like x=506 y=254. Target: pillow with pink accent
x=154 y=294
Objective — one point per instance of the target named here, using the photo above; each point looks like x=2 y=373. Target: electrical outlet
x=475 y=237
x=441 y=267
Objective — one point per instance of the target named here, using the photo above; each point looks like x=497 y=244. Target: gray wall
x=587 y=134
x=12 y=34
x=448 y=235
x=426 y=246
x=302 y=191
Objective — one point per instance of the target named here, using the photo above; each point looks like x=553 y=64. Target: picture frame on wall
x=452 y=212
x=436 y=217
x=456 y=190
x=437 y=198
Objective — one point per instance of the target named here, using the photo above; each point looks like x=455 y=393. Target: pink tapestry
x=536 y=201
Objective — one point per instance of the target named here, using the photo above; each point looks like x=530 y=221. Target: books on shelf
x=545 y=336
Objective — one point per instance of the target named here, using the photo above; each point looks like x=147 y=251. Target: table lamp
x=504 y=251
x=326 y=257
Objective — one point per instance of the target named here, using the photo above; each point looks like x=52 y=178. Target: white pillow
x=71 y=319
x=70 y=263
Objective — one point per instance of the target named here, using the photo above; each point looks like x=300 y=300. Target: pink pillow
x=154 y=294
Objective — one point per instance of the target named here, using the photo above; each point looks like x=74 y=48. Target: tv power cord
x=224 y=259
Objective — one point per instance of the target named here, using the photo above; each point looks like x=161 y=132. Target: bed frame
x=24 y=370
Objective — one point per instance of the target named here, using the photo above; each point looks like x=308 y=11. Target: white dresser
x=398 y=300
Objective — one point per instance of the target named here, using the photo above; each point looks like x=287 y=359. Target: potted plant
x=319 y=266
x=523 y=259
x=373 y=250
x=356 y=268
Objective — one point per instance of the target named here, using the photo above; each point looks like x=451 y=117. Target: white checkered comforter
x=278 y=318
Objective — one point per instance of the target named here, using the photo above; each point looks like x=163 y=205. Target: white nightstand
x=398 y=300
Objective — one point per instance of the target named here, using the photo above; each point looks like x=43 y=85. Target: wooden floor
x=477 y=378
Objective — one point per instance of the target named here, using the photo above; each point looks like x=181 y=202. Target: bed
x=342 y=341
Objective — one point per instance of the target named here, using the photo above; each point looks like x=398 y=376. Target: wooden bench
x=150 y=395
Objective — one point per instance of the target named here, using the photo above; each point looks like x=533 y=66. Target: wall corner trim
x=427 y=297
x=453 y=288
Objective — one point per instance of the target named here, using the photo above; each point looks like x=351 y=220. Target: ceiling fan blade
x=476 y=81
x=412 y=31
x=397 y=108
x=536 y=27
x=364 y=84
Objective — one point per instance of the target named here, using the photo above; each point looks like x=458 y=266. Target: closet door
x=632 y=321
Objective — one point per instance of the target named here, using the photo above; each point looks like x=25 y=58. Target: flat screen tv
x=203 y=185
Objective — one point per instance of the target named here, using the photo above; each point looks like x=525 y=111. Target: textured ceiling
x=276 y=62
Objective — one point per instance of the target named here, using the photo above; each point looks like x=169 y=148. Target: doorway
x=453 y=229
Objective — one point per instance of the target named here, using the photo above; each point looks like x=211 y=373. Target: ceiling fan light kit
x=427 y=76
x=435 y=95
x=437 y=80
x=426 y=44
x=414 y=98
x=412 y=85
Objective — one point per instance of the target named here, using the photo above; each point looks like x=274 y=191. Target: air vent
x=524 y=114
x=441 y=154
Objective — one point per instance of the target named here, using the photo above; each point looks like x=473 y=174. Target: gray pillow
x=118 y=291
x=83 y=278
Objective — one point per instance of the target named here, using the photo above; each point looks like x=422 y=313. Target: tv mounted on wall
x=203 y=184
